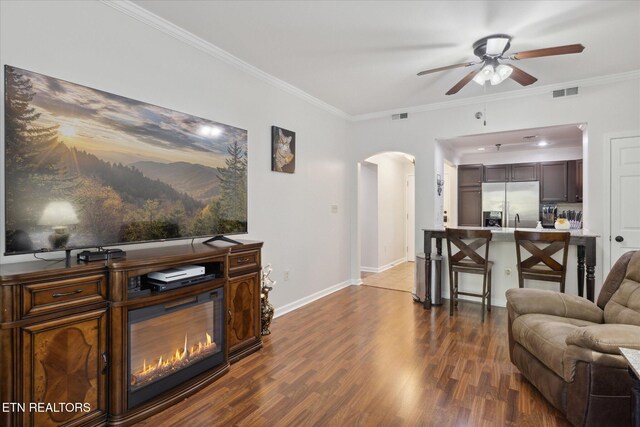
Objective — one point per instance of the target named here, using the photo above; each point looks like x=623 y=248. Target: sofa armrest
x=528 y=301
x=599 y=345
x=574 y=354
x=607 y=338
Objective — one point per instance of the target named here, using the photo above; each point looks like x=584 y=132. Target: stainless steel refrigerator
x=511 y=198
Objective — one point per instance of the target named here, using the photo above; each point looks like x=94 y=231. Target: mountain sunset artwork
x=116 y=169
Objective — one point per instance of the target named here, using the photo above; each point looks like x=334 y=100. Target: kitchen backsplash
x=569 y=207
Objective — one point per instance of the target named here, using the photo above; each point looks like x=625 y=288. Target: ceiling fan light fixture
x=501 y=73
x=485 y=74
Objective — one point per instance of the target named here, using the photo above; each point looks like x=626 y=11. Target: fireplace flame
x=182 y=357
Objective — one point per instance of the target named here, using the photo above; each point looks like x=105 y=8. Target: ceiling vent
x=565 y=92
x=400 y=116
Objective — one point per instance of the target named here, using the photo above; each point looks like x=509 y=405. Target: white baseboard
x=384 y=267
x=281 y=311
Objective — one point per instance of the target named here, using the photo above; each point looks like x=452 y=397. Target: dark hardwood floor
x=366 y=356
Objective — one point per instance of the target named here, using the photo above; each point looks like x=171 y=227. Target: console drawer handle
x=64 y=294
x=243 y=260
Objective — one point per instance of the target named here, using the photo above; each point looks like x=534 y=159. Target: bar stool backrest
x=541 y=263
x=468 y=251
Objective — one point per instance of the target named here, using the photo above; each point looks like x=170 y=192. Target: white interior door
x=411 y=217
x=625 y=203
x=446 y=198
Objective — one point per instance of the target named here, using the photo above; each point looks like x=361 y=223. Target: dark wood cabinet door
x=579 y=180
x=497 y=173
x=470 y=207
x=524 y=172
x=553 y=182
x=244 y=310
x=64 y=362
x=470 y=175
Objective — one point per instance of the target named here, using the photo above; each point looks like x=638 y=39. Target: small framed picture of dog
x=283 y=150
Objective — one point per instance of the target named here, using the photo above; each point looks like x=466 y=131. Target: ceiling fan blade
x=448 y=67
x=549 y=51
x=462 y=83
x=522 y=77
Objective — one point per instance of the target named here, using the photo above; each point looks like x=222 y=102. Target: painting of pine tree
x=131 y=171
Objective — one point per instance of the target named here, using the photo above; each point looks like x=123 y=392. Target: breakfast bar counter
x=584 y=240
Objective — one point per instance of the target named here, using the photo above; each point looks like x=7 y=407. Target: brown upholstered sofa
x=567 y=346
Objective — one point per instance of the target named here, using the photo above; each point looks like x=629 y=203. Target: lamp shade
x=57 y=214
x=502 y=72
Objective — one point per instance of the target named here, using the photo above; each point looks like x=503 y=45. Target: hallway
x=398 y=278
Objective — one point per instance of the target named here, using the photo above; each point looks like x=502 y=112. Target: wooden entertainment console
x=63 y=331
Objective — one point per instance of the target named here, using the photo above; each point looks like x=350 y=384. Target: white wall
x=368 y=215
x=605 y=108
x=93 y=44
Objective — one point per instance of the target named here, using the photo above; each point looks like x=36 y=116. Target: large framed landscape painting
x=104 y=169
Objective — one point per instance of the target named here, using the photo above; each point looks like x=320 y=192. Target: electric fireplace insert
x=172 y=342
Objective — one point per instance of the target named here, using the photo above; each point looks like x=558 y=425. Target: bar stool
x=475 y=264
x=540 y=265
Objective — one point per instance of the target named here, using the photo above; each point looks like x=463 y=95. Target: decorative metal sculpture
x=266 y=307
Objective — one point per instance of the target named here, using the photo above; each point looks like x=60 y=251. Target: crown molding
x=518 y=93
x=142 y=15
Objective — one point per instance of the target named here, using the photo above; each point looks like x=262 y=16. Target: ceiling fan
x=491 y=50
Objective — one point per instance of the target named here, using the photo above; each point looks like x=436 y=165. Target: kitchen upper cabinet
x=579 y=180
x=497 y=173
x=517 y=172
x=574 y=186
x=524 y=172
x=470 y=175
x=553 y=182
x=470 y=206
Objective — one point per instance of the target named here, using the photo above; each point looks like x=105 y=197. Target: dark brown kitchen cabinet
x=579 y=180
x=524 y=172
x=470 y=175
x=517 y=172
x=497 y=173
x=470 y=206
x=574 y=181
x=553 y=181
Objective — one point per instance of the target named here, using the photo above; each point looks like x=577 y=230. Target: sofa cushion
x=615 y=278
x=544 y=337
x=624 y=305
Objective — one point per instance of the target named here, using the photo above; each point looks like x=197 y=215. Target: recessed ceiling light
x=481 y=149
x=542 y=143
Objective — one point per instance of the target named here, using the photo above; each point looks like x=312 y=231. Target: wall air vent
x=571 y=91
x=565 y=92
x=400 y=116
